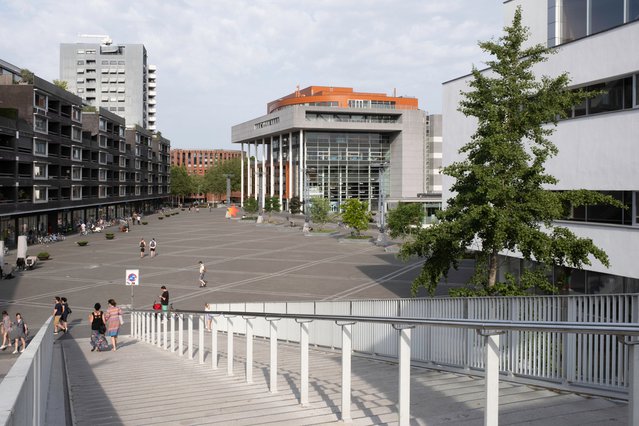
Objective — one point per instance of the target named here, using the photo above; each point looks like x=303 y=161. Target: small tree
x=250 y=205
x=180 y=182
x=295 y=206
x=406 y=219
x=62 y=84
x=27 y=76
x=320 y=208
x=356 y=215
x=271 y=204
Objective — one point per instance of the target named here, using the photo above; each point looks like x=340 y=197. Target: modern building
x=338 y=144
x=116 y=77
x=60 y=166
x=597 y=144
x=198 y=161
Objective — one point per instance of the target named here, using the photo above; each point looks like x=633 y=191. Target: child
x=6 y=328
x=19 y=333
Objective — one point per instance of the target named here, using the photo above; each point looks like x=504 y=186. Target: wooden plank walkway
x=142 y=384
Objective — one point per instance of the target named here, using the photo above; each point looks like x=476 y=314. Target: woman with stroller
x=98 y=328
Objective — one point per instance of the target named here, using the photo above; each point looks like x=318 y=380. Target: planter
x=109 y=236
x=82 y=243
x=145 y=223
x=43 y=255
x=160 y=217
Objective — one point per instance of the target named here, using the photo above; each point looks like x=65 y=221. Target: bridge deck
x=142 y=384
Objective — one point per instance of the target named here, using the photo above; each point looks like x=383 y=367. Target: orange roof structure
x=319 y=95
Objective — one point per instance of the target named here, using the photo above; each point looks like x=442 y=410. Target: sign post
x=132 y=279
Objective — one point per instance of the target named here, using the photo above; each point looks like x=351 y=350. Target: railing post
x=158 y=317
x=200 y=350
x=165 y=327
x=304 y=362
x=229 y=345
x=147 y=327
x=404 y=373
x=347 y=347
x=491 y=362
x=214 y=343
x=190 y=336
x=249 y=349
x=172 y=318
x=181 y=334
x=273 y=344
x=152 y=332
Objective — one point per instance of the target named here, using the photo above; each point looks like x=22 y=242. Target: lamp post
x=228 y=177
x=381 y=206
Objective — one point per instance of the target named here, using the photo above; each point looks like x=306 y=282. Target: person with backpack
x=98 y=328
x=142 y=247
x=65 y=313
x=19 y=333
x=152 y=246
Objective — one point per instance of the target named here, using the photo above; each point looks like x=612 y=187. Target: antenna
x=105 y=39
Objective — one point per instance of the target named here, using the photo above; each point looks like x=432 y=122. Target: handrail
x=622 y=329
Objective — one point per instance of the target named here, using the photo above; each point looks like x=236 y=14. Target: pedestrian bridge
x=298 y=364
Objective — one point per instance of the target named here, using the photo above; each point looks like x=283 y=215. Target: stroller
x=99 y=342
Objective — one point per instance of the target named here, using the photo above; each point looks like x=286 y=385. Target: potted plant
x=43 y=255
x=145 y=222
x=82 y=243
x=160 y=217
x=109 y=235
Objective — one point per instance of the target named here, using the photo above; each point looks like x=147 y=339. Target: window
x=137 y=164
x=102 y=141
x=605 y=14
x=102 y=191
x=149 y=166
x=40 y=194
x=359 y=103
x=103 y=124
x=137 y=189
x=102 y=175
x=122 y=161
x=159 y=190
x=40 y=148
x=80 y=71
x=149 y=190
x=76 y=134
x=40 y=124
x=102 y=157
x=40 y=101
x=76 y=114
x=616 y=96
x=121 y=131
x=40 y=170
x=122 y=176
x=137 y=176
x=122 y=190
x=76 y=192
x=79 y=80
x=122 y=146
x=76 y=153
x=76 y=173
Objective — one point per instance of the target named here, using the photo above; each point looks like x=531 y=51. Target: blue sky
x=221 y=61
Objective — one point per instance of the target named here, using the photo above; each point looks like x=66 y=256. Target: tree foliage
x=501 y=200
x=215 y=179
x=356 y=215
x=295 y=206
x=180 y=181
x=405 y=219
x=27 y=76
x=271 y=204
x=320 y=208
x=62 y=84
x=250 y=205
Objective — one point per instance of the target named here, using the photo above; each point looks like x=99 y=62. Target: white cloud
x=219 y=62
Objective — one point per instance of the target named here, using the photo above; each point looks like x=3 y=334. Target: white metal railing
x=23 y=391
x=489 y=331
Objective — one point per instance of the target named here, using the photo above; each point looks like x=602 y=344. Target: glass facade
x=340 y=166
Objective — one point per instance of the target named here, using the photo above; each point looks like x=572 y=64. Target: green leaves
x=405 y=219
x=355 y=214
x=320 y=208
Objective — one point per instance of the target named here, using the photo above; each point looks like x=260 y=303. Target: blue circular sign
x=132 y=277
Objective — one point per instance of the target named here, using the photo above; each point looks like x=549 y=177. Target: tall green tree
x=198 y=185
x=501 y=198
x=215 y=179
x=356 y=215
x=405 y=219
x=180 y=182
x=320 y=208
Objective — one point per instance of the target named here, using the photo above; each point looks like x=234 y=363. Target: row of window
x=609 y=214
x=41 y=193
x=617 y=94
x=41 y=106
x=570 y=20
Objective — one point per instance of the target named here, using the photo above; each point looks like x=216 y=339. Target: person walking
x=98 y=328
x=142 y=247
x=113 y=318
x=19 y=333
x=152 y=246
x=57 y=314
x=164 y=299
x=6 y=329
x=65 y=314
x=202 y=273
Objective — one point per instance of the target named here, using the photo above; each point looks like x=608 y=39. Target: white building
x=113 y=76
x=597 y=44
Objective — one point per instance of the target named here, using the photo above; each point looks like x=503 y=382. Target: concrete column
x=279 y=170
x=249 y=350
x=491 y=363
x=172 y=333
x=273 y=341
x=304 y=363
x=271 y=171
x=263 y=181
x=181 y=334
x=229 y=344
x=200 y=349
x=301 y=169
x=165 y=330
x=289 y=182
x=347 y=347
x=190 y=336
x=214 y=343
x=249 y=184
x=633 y=388
x=404 y=376
x=242 y=175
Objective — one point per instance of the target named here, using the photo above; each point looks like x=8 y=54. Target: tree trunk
x=492 y=268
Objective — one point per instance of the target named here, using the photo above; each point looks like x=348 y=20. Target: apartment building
x=60 y=165
x=116 y=77
x=597 y=144
x=338 y=144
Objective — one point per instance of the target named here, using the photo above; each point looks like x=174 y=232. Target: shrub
x=250 y=205
x=82 y=243
x=160 y=217
x=43 y=255
x=356 y=215
x=145 y=223
x=109 y=235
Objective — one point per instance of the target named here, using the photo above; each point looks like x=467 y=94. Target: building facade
x=60 y=166
x=115 y=77
x=338 y=144
x=597 y=144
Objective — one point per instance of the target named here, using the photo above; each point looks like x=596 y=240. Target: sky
x=219 y=62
